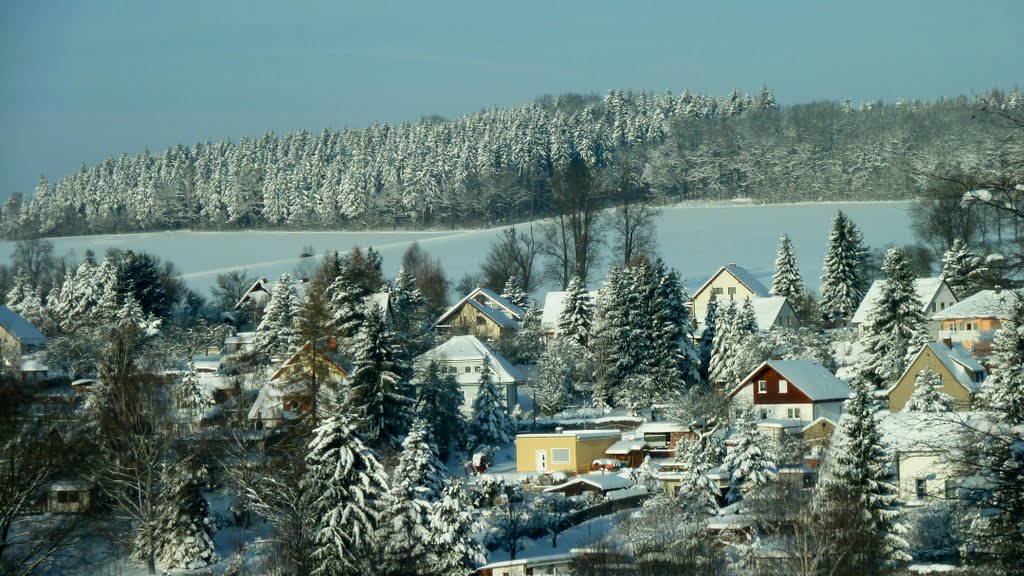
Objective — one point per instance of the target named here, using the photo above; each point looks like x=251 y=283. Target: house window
x=950 y=489
x=476 y=369
x=559 y=455
x=762 y=386
x=468 y=369
x=793 y=413
x=783 y=386
x=942 y=305
x=933 y=306
x=732 y=292
x=480 y=321
x=764 y=413
x=716 y=291
x=921 y=488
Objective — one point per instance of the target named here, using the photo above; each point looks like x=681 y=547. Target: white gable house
x=933 y=293
x=466 y=357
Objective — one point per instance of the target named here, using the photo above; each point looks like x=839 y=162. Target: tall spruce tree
x=843 y=283
x=962 y=269
x=344 y=483
x=856 y=497
x=186 y=530
x=439 y=402
x=379 y=395
x=750 y=461
x=1003 y=392
x=895 y=325
x=707 y=338
x=514 y=293
x=276 y=332
x=926 y=396
x=454 y=550
x=576 y=319
x=787 y=280
x=490 y=423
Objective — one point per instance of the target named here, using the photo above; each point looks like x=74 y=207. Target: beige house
x=482 y=313
x=933 y=294
x=570 y=451
x=973 y=321
x=18 y=334
x=962 y=375
x=731 y=282
x=921 y=444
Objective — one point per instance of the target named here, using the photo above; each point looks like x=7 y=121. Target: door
x=542 y=460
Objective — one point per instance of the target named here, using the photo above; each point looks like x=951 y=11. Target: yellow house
x=285 y=396
x=483 y=314
x=961 y=374
x=730 y=282
x=973 y=321
x=569 y=451
x=18 y=334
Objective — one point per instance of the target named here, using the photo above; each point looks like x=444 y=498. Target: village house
x=962 y=375
x=790 y=394
x=598 y=482
x=68 y=497
x=554 y=303
x=973 y=321
x=482 y=313
x=570 y=451
x=774 y=312
x=18 y=335
x=284 y=396
x=921 y=445
x=466 y=358
x=661 y=437
x=731 y=282
x=933 y=294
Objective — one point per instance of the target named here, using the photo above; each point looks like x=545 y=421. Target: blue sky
x=81 y=81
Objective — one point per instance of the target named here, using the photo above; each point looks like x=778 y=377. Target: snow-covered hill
x=694 y=239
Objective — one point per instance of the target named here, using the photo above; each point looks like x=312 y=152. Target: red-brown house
x=799 y=391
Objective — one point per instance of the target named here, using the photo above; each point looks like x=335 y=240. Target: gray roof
x=21 y=329
x=809 y=377
x=960 y=363
x=603 y=482
x=925 y=288
x=469 y=347
x=984 y=304
x=767 y=310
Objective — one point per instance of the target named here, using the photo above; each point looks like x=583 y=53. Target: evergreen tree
x=560 y=370
x=526 y=345
x=18 y=291
x=276 y=332
x=576 y=319
x=677 y=360
x=895 y=325
x=613 y=334
x=787 y=280
x=346 y=302
x=402 y=541
x=926 y=396
x=707 y=338
x=490 y=423
x=418 y=464
x=857 y=473
x=189 y=394
x=750 y=462
x=344 y=482
x=410 y=309
x=185 y=535
x=1003 y=392
x=962 y=269
x=438 y=402
x=378 y=394
x=454 y=550
x=698 y=456
x=513 y=292
x=723 y=346
x=843 y=284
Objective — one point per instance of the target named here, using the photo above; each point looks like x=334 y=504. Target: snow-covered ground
x=694 y=239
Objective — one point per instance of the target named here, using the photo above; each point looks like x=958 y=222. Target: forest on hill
x=505 y=165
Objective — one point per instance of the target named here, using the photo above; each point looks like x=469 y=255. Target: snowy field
x=696 y=240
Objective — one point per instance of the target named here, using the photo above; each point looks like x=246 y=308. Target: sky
x=83 y=81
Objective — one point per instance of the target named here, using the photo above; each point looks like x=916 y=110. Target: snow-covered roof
x=554 y=302
x=984 y=304
x=960 y=363
x=921 y=431
x=503 y=312
x=811 y=378
x=767 y=310
x=603 y=482
x=241 y=338
x=21 y=329
x=579 y=434
x=662 y=427
x=381 y=300
x=32 y=364
x=818 y=420
x=626 y=446
x=268 y=403
x=925 y=288
x=743 y=276
x=296 y=359
x=469 y=348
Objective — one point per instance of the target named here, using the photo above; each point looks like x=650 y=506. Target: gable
x=735 y=275
x=928 y=358
x=773 y=394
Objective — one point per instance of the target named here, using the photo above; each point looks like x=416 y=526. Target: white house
x=792 y=393
x=466 y=357
x=933 y=293
x=923 y=446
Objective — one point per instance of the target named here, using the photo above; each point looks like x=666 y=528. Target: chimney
x=332 y=343
x=948 y=342
x=732 y=264
x=559 y=430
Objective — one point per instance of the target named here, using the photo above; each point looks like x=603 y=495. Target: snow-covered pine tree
x=379 y=395
x=185 y=535
x=19 y=290
x=895 y=325
x=276 y=332
x=189 y=394
x=926 y=396
x=31 y=308
x=612 y=335
x=410 y=312
x=346 y=296
x=723 y=345
x=454 y=550
x=1003 y=393
x=698 y=455
x=576 y=319
x=707 y=338
x=490 y=423
x=787 y=280
x=750 y=462
x=418 y=464
x=439 y=403
x=560 y=369
x=677 y=360
x=344 y=482
x=513 y=292
x=843 y=283
x=856 y=497
x=962 y=269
